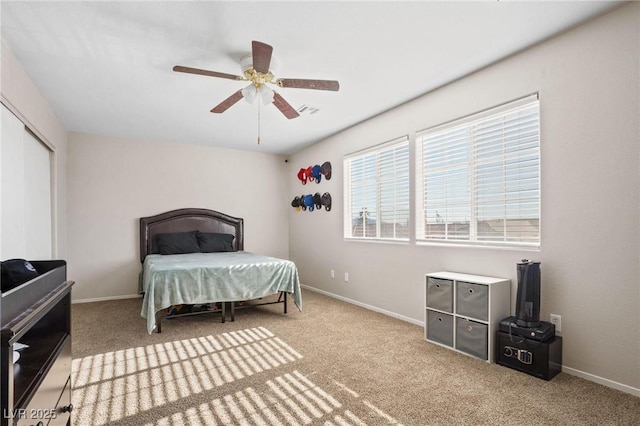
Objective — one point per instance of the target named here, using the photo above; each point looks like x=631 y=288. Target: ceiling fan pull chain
x=259 y=106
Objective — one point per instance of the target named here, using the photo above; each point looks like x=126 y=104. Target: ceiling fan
x=256 y=69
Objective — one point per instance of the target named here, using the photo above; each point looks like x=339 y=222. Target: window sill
x=468 y=244
x=377 y=240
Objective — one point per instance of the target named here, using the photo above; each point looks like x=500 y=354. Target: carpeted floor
x=332 y=364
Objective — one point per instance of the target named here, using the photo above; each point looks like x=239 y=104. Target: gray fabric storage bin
x=471 y=337
x=440 y=327
x=440 y=294
x=472 y=300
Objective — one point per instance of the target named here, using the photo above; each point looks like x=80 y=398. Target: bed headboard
x=183 y=220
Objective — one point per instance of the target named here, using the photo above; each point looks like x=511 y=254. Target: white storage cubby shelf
x=462 y=312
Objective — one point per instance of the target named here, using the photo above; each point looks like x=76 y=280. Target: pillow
x=177 y=243
x=16 y=272
x=211 y=242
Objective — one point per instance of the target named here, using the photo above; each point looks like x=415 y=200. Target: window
x=478 y=178
x=377 y=192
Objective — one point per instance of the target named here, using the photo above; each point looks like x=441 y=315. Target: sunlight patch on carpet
x=130 y=386
x=114 y=385
x=289 y=399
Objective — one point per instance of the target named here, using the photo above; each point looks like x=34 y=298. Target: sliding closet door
x=25 y=192
x=37 y=200
x=12 y=189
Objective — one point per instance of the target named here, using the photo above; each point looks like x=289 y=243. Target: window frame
x=377 y=150
x=472 y=122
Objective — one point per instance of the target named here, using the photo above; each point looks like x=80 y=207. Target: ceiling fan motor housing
x=246 y=62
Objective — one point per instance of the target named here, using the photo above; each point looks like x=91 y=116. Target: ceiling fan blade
x=189 y=70
x=284 y=106
x=299 y=83
x=227 y=103
x=261 y=54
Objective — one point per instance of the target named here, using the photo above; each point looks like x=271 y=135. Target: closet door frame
x=30 y=134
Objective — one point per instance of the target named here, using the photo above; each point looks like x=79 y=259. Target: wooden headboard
x=184 y=220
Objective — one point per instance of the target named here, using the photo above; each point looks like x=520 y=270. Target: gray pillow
x=212 y=242
x=177 y=243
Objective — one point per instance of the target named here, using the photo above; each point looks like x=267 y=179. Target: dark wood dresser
x=35 y=362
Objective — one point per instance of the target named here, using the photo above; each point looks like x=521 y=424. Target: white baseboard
x=364 y=305
x=587 y=376
x=601 y=380
x=106 y=298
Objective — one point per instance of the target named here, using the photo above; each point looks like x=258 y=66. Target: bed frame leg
x=285 y=302
x=158 y=323
x=233 y=311
x=224 y=314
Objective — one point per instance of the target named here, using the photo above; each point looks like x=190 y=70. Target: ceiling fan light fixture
x=250 y=93
x=246 y=62
x=266 y=94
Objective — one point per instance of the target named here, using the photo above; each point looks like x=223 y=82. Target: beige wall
x=113 y=182
x=588 y=81
x=22 y=97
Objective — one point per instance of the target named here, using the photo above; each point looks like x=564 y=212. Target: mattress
x=198 y=278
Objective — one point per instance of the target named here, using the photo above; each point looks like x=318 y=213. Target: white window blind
x=478 y=178
x=377 y=192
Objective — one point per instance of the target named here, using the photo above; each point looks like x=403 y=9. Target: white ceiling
x=106 y=67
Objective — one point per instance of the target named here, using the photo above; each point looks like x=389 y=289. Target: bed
x=223 y=275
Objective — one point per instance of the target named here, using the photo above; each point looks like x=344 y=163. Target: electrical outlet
x=346 y=277
x=557 y=321
x=333 y=274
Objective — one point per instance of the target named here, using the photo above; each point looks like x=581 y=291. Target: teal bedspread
x=213 y=277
